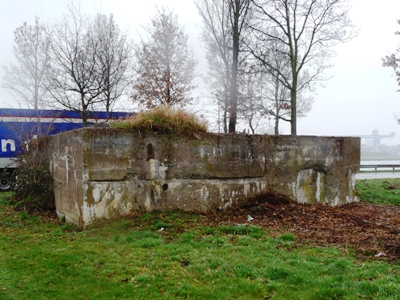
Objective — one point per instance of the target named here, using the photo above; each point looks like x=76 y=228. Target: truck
x=18 y=126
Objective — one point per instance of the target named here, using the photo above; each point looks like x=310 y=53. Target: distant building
x=373 y=141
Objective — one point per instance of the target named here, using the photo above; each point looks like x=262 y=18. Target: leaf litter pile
x=371 y=230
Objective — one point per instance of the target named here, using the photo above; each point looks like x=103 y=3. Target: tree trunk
x=293 y=110
x=277 y=103
x=235 y=62
x=84 y=114
x=226 y=113
x=293 y=98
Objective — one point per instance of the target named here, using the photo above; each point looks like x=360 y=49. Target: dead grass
x=372 y=230
x=164 y=119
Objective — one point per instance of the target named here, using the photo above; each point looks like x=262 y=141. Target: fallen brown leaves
x=371 y=230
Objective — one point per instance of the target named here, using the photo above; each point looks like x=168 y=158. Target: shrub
x=32 y=188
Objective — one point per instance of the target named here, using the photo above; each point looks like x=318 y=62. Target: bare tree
x=251 y=95
x=217 y=41
x=307 y=30
x=114 y=57
x=76 y=82
x=278 y=104
x=90 y=60
x=26 y=80
x=218 y=84
x=223 y=27
x=393 y=61
x=164 y=64
x=238 y=10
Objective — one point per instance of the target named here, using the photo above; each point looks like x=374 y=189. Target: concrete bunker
x=115 y=172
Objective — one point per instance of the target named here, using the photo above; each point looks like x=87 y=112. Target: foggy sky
x=359 y=98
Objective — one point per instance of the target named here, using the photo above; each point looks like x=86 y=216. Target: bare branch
x=26 y=80
x=307 y=31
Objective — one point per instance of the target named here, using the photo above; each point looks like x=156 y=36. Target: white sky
x=359 y=98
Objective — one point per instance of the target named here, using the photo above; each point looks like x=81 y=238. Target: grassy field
x=176 y=256
x=380 y=191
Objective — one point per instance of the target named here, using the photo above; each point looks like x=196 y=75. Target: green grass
x=173 y=256
x=379 y=191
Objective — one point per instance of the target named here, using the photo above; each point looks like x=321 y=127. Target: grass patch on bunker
x=164 y=119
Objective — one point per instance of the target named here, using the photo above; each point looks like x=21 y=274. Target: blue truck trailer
x=17 y=126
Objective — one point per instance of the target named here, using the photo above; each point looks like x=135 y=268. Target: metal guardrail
x=376 y=167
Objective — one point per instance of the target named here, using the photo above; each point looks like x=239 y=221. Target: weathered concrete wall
x=103 y=173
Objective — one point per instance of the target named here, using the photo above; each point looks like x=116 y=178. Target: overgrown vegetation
x=33 y=185
x=164 y=119
x=177 y=255
x=379 y=191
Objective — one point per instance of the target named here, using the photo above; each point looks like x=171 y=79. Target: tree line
x=264 y=59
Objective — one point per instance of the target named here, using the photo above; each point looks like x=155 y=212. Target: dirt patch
x=371 y=230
